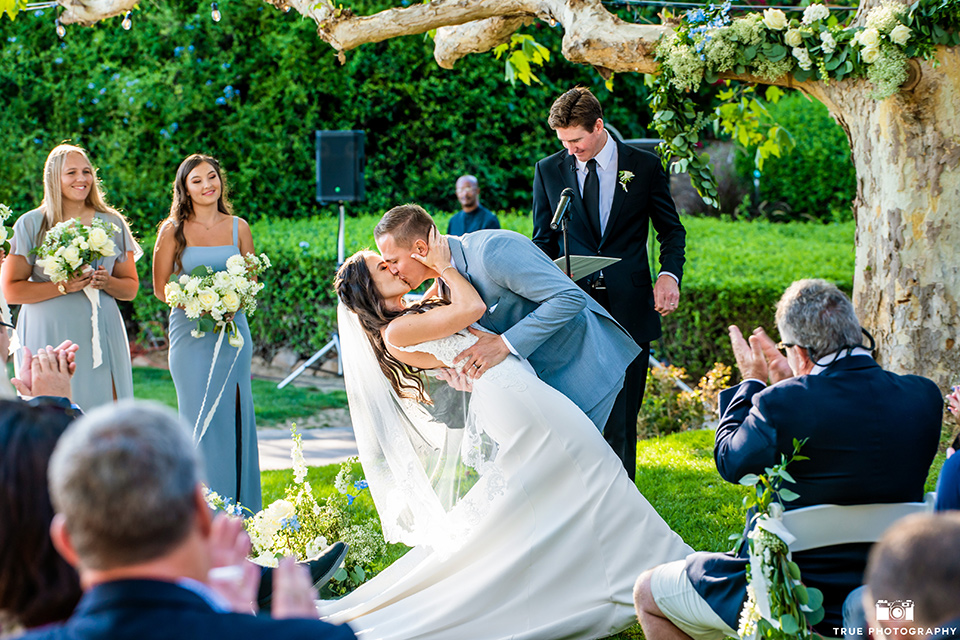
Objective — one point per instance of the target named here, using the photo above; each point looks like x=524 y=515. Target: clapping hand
x=232 y=576
x=953 y=406
x=48 y=372
x=758 y=357
x=293 y=592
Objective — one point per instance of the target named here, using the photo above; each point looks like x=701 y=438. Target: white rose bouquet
x=212 y=298
x=69 y=246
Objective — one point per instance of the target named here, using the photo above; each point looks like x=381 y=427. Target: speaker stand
x=335 y=339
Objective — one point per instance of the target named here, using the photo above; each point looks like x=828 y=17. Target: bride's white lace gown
x=547 y=545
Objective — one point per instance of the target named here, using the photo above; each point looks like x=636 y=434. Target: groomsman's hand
x=666 y=295
x=488 y=351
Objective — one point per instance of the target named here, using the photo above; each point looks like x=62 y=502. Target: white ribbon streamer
x=94 y=296
x=206 y=392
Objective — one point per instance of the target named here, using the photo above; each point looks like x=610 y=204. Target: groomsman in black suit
x=618 y=191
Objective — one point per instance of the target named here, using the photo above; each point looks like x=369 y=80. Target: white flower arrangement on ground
x=212 y=298
x=70 y=245
x=302 y=526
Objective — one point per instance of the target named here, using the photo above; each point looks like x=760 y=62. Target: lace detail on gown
x=478 y=449
x=507 y=374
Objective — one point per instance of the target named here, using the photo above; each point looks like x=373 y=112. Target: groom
x=536 y=311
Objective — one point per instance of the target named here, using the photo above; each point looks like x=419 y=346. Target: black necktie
x=591 y=195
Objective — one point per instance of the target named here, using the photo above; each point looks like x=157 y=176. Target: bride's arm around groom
x=539 y=313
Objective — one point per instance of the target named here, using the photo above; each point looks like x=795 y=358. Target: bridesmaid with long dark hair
x=202 y=230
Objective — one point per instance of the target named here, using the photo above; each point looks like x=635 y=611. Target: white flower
x=869 y=38
x=624 y=177
x=316 y=546
x=173 y=294
x=900 y=34
x=101 y=242
x=793 y=37
x=236 y=340
x=829 y=42
x=774 y=19
x=815 y=12
x=191 y=285
x=870 y=54
x=803 y=58
x=72 y=255
x=208 y=299
x=196 y=333
x=192 y=308
x=266 y=559
x=3 y=234
x=236 y=265
x=231 y=301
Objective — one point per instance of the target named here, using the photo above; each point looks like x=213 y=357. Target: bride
x=523 y=522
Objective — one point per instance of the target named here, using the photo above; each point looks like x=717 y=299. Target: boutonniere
x=624 y=177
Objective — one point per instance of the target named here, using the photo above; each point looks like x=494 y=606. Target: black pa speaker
x=340 y=163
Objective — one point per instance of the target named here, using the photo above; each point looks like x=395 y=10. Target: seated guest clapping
x=871 y=436
x=913 y=579
x=130 y=515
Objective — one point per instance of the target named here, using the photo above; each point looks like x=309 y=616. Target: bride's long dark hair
x=357 y=291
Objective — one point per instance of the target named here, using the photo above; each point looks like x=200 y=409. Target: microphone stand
x=566 y=245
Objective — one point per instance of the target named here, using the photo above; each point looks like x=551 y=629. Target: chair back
x=825 y=525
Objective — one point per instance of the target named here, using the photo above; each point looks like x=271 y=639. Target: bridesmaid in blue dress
x=201 y=230
x=53 y=312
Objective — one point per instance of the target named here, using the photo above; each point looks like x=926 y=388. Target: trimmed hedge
x=735 y=273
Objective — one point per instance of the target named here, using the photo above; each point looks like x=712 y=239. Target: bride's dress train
x=546 y=545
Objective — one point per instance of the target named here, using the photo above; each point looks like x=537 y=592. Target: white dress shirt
x=607 y=162
x=607 y=172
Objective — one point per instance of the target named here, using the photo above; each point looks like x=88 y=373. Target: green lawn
x=272 y=405
x=676 y=473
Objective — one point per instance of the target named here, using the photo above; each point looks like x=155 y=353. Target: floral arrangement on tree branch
x=779 y=606
x=707 y=43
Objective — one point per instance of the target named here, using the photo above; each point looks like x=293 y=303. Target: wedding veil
x=431 y=469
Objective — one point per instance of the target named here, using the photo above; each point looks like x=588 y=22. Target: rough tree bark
x=906 y=149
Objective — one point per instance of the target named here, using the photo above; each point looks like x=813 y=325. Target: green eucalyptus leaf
x=788 y=496
x=789 y=624
x=749 y=480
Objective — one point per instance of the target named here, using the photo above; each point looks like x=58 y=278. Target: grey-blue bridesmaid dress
x=68 y=317
x=229 y=446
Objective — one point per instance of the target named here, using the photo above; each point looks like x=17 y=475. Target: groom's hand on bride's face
x=488 y=351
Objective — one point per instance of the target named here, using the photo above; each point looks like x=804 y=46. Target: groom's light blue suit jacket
x=574 y=345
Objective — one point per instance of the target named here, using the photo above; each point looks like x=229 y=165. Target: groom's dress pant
x=620 y=432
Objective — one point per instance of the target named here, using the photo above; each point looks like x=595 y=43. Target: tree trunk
x=906 y=150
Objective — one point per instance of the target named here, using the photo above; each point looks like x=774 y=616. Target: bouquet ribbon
x=206 y=393
x=94 y=296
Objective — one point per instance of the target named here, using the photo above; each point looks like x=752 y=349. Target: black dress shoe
x=321 y=570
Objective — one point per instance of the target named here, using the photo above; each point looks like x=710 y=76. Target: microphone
x=562 y=206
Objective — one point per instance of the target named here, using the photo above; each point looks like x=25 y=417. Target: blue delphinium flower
x=361 y=484
x=221 y=100
x=350 y=498
x=290 y=523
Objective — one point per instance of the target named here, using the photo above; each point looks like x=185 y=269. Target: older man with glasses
x=870 y=438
